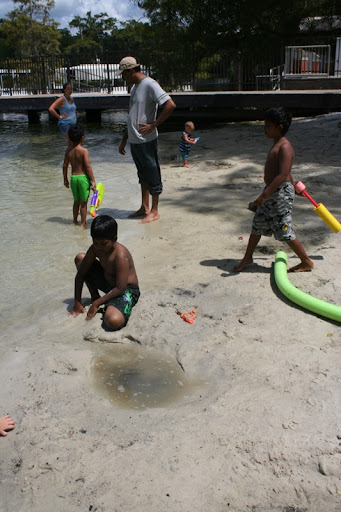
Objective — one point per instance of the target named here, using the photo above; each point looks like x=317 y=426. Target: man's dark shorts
x=124 y=303
x=146 y=160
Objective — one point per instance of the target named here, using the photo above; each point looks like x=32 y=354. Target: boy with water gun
x=274 y=205
x=82 y=177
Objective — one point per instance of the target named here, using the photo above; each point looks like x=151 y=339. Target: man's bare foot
x=6 y=423
x=150 y=218
x=302 y=267
x=186 y=165
x=242 y=265
x=140 y=213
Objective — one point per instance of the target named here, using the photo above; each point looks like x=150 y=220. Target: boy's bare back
x=78 y=157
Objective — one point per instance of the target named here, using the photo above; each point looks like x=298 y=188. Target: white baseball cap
x=126 y=63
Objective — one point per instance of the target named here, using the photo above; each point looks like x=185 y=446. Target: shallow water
x=39 y=243
x=38 y=239
x=134 y=377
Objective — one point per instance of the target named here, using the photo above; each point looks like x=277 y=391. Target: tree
x=92 y=34
x=94 y=27
x=36 y=9
x=66 y=39
x=242 y=38
x=220 y=23
x=29 y=30
x=131 y=36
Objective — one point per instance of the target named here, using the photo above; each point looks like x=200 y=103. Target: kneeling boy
x=107 y=266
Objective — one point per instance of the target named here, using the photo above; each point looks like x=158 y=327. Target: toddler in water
x=185 y=142
x=82 y=178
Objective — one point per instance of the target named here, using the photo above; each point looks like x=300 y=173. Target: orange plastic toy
x=189 y=317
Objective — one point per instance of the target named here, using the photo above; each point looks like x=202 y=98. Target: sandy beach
x=239 y=411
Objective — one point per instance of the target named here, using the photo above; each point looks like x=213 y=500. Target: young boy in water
x=82 y=177
x=185 y=143
x=273 y=207
x=107 y=266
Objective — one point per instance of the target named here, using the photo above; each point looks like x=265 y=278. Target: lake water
x=38 y=239
x=38 y=246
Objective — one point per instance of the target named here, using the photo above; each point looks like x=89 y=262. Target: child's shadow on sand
x=115 y=213
x=60 y=220
x=228 y=264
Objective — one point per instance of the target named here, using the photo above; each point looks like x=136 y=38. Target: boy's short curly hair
x=277 y=116
x=104 y=226
x=75 y=133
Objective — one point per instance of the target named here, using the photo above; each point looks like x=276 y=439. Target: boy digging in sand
x=273 y=207
x=107 y=266
x=82 y=178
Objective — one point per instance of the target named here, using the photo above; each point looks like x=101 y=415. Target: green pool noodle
x=301 y=298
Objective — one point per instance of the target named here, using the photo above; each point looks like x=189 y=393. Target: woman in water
x=67 y=110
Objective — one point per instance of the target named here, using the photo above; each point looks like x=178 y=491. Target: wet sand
x=259 y=428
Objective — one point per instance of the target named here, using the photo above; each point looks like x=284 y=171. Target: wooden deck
x=223 y=104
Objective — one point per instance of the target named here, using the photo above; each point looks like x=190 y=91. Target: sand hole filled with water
x=139 y=378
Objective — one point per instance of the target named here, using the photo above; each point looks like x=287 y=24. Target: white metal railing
x=307 y=60
x=276 y=75
x=337 y=65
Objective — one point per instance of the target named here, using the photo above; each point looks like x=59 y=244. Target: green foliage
x=242 y=24
x=205 y=64
x=98 y=29
x=66 y=39
x=181 y=39
x=132 y=35
x=86 y=48
x=29 y=31
x=35 y=9
x=94 y=27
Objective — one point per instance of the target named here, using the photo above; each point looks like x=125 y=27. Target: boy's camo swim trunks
x=274 y=217
x=125 y=302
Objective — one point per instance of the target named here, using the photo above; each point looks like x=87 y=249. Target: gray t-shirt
x=145 y=97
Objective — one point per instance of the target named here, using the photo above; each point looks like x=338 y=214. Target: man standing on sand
x=145 y=97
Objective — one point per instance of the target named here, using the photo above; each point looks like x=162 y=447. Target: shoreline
x=263 y=432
